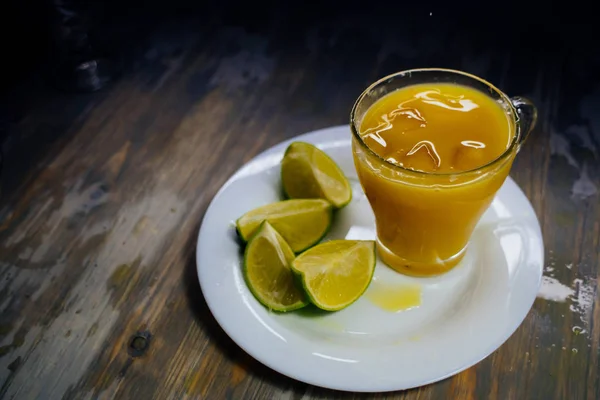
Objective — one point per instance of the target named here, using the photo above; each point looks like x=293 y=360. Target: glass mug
x=425 y=219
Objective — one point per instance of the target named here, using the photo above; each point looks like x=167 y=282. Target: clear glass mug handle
x=527 y=114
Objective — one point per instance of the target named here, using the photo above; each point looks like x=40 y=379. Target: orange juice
x=427 y=175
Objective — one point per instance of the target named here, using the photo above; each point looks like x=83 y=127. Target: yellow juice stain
x=332 y=325
x=394 y=298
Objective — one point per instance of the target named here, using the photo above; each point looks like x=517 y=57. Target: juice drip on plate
x=394 y=298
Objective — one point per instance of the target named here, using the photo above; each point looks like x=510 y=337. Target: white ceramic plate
x=464 y=315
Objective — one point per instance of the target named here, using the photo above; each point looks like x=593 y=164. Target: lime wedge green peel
x=267 y=271
x=307 y=173
x=335 y=274
x=301 y=222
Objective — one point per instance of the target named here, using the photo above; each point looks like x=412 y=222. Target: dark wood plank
x=98 y=291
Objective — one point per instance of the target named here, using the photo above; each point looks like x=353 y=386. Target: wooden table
x=103 y=194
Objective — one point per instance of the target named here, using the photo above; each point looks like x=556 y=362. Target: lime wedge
x=302 y=222
x=309 y=173
x=336 y=273
x=267 y=271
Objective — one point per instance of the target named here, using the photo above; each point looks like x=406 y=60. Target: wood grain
x=103 y=194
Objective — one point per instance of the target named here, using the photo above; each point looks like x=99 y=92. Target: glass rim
x=503 y=96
